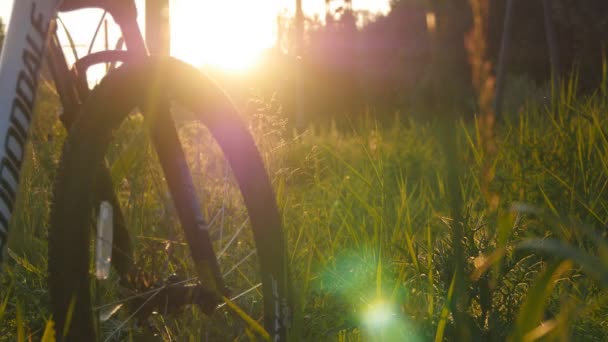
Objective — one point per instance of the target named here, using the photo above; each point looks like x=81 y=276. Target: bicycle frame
x=30 y=28
x=30 y=41
x=20 y=63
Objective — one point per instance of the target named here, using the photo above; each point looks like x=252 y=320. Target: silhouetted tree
x=453 y=23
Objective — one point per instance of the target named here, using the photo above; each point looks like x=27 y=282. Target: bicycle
x=84 y=185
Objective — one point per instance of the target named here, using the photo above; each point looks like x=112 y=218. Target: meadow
x=406 y=231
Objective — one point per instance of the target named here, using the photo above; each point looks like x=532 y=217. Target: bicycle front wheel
x=153 y=287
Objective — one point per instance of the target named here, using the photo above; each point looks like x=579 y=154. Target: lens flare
x=378 y=315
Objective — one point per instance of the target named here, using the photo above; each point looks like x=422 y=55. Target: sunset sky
x=204 y=33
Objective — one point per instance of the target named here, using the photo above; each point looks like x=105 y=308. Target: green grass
x=372 y=215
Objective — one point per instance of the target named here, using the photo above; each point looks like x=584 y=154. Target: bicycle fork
x=171 y=156
x=177 y=173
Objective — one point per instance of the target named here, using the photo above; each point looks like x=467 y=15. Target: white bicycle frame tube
x=20 y=62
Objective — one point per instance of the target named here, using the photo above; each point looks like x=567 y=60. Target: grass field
x=399 y=232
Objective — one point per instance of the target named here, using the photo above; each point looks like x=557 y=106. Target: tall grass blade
x=4 y=304
x=252 y=324
x=531 y=311
x=445 y=312
x=49 y=332
x=20 y=324
x=541 y=330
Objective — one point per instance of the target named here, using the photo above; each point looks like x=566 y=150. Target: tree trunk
x=502 y=59
x=453 y=69
x=157 y=27
x=552 y=44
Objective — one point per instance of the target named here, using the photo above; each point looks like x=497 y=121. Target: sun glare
x=227 y=34
x=378 y=315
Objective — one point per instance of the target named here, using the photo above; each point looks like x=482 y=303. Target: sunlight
x=231 y=35
x=378 y=315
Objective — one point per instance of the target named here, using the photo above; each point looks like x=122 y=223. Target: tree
x=454 y=21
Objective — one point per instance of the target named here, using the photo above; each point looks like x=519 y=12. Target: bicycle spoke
x=241 y=294
x=239 y=263
x=133 y=314
x=234 y=236
x=212 y=222
x=139 y=295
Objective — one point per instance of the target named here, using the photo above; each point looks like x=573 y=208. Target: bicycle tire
x=121 y=91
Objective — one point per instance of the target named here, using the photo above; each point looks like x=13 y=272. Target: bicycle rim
x=245 y=229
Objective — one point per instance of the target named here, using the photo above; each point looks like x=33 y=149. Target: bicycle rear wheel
x=257 y=274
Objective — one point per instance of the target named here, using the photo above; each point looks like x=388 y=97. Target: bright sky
x=224 y=33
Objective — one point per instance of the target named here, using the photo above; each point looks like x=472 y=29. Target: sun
x=227 y=34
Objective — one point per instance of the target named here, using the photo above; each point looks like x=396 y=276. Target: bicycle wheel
x=160 y=285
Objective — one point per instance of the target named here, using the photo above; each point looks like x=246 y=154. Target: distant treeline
x=394 y=64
